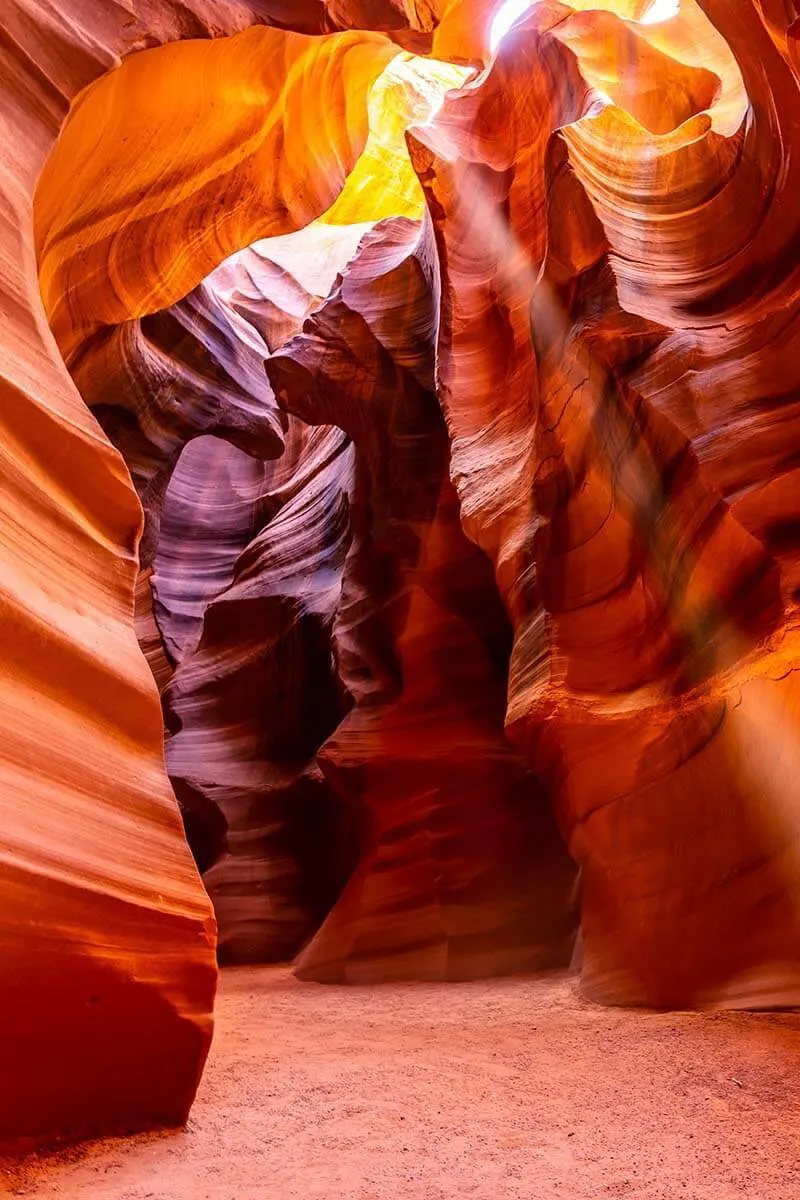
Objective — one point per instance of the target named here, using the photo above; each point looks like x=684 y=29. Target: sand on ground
x=510 y=1089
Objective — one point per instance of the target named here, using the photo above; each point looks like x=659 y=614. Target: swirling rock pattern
x=253 y=702
x=654 y=636
x=448 y=885
x=252 y=94
x=107 y=937
x=107 y=940
x=249 y=693
x=474 y=511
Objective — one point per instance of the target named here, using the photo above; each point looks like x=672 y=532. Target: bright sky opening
x=661 y=10
x=506 y=17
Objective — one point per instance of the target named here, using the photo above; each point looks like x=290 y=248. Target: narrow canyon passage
x=400 y=592
x=518 y=1089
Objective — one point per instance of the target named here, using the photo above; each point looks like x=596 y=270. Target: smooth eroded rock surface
x=458 y=392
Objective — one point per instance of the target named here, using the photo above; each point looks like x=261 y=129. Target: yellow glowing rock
x=383 y=182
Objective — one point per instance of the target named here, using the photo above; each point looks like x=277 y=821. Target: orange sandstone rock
x=112 y=229
x=654 y=616
x=106 y=937
x=580 y=303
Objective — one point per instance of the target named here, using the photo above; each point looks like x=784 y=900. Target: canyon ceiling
x=399 y=444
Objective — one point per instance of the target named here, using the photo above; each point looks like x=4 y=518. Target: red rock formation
x=461 y=872
x=653 y=615
x=593 y=332
x=107 y=937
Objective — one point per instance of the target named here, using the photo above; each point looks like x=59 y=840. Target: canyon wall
x=107 y=936
x=460 y=406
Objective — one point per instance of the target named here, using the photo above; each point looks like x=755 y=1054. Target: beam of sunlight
x=600 y=102
x=506 y=17
x=661 y=10
x=762 y=719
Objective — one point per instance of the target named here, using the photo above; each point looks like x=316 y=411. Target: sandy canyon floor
x=489 y=1091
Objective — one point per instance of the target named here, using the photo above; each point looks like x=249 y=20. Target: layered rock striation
x=431 y=421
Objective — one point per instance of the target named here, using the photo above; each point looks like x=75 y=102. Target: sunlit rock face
x=423 y=400
x=107 y=937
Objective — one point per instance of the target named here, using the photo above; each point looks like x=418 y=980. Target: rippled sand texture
x=500 y=1089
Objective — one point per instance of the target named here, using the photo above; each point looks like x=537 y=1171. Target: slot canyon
x=400 y=599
